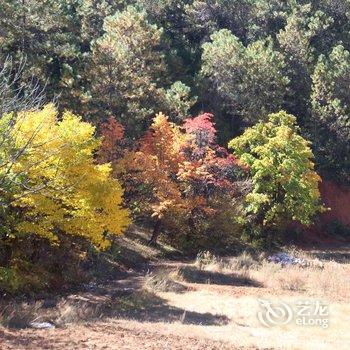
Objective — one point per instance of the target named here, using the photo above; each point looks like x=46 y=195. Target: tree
x=126 y=66
x=111 y=148
x=152 y=169
x=330 y=124
x=38 y=32
x=57 y=187
x=14 y=97
x=338 y=31
x=248 y=81
x=91 y=15
x=202 y=128
x=178 y=48
x=178 y=101
x=209 y=170
x=304 y=27
x=54 y=37
x=285 y=185
x=128 y=70
x=208 y=16
x=268 y=18
x=182 y=179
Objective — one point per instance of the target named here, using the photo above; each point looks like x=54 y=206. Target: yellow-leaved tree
x=59 y=187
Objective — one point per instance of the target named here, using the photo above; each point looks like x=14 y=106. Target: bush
x=338 y=228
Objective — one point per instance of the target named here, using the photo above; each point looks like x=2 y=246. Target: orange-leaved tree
x=111 y=148
x=183 y=177
x=153 y=169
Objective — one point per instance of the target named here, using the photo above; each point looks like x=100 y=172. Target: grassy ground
x=209 y=303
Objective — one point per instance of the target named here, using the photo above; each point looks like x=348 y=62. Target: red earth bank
x=337 y=198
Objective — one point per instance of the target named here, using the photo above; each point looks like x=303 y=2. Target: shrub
x=164 y=281
x=337 y=228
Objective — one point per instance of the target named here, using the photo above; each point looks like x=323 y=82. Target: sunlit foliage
x=57 y=185
x=285 y=184
x=183 y=178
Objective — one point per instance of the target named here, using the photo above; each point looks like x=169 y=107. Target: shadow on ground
x=340 y=256
x=145 y=306
x=139 y=305
x=193 y=275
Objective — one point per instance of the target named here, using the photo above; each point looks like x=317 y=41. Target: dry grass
x=245 y=261
x=322 y=278
x=164 y=280
x=19 y=315
x=75 y=309
x=331 y=280
x=68 y=311
x=209 y=262
x=293 y=281
x=245 y=330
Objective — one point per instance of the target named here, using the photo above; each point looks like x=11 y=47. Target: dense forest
x=211 y=122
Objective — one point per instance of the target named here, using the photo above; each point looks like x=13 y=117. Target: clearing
x=210 y=303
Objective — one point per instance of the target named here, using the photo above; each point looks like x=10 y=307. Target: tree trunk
x=191 y=226
x=156 y=232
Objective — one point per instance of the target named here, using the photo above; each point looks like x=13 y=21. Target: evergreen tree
x=128 y=73
x=247 y=81
x=330 y=124
x=296 y=41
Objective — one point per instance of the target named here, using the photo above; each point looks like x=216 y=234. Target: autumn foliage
x=152 y=171
x=285 y=184
x=182 y=176
x=58 y=186
x=112 y=133
x=70 y=184
x=61 y=184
